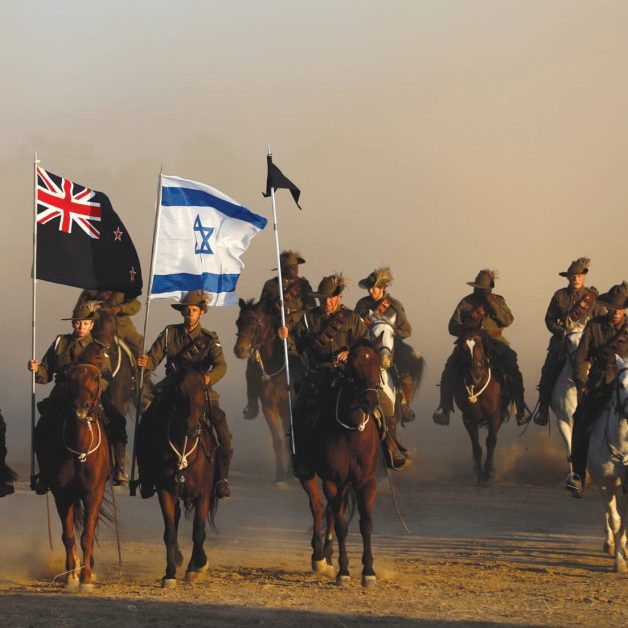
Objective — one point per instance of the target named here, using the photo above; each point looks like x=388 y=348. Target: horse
x=344 y=451
x=564 y=398
x=79 y=465
x=607 y=463
x=478 y=394
x=256 y=339
x=123 y=366
x=178 y=451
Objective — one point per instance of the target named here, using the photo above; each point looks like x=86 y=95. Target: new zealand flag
x=80 y=239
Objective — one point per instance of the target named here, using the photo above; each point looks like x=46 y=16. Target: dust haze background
x=439 y=137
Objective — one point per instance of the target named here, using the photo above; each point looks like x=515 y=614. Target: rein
x=473 y=396
x=366 y=416
x=257 y=356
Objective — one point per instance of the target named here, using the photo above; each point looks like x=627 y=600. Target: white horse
x=564 y=395
x=608 y=465
x=382 y=327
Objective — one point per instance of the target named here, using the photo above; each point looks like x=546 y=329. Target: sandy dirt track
x=503 y=555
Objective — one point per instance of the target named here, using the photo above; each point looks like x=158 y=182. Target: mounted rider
x=188 y=345
x=482 y=310
x=7 y=475
x=297 y=300
x=595 y=372
x=122 y=308
x=408 y=362
x=571 y=305
x=61 y=356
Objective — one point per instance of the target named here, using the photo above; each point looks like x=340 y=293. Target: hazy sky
x=437 y=136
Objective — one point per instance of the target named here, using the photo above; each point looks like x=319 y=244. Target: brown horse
x=79 y=465
x=343 y=451
x=256 y=338
x=123 y=367
x=176 y=449
x=478 y=394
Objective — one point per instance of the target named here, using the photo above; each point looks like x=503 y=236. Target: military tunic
x=125 y=327
x=296 y=294
x=174 y=338
x=496 y=316
x=402 y=326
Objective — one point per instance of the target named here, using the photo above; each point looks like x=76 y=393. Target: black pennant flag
x=81 y=241
x=276 y=179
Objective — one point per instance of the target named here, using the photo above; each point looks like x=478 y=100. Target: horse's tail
x=105 y=514
x=213 y=509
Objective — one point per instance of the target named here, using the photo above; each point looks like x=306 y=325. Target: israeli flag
x=201 y=235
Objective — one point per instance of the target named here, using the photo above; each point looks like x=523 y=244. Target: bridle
x=185 y=453
x=472 y=394
x=89 y=419
x=255 y=353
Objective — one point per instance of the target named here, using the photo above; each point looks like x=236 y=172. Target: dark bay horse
x=176 y=449
x=478 y=394
x=256 y=338
x=123 y=367
x=344 y=451
x=79 y=465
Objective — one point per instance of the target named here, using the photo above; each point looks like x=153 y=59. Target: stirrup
x=441 y=416
x=541 y=416
x=223 y=489
x=573 y=484
x=120 y=478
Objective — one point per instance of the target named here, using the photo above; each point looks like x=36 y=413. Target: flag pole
x=283 y=311
x=138 y=413
x=33 y=347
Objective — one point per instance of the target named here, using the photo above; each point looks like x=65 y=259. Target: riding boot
x=120 y=478
x=253 y=389
x=396 y=456
x=225 y=451
x=552 y=367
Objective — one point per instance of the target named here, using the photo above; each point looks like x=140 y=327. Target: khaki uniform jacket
x=497 y=315
x=602 y=368
x=403 y=329
x=294 y=304
x=305 y=331
x=561 y=304
x=63 y=353
x=174 y=338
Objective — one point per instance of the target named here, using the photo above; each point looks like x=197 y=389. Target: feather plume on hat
x=381 y=277
x=485 y=279
x=579 y=266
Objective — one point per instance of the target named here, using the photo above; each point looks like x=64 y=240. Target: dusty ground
x=504 y=555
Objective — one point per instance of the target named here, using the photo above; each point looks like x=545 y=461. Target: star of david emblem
x=205 y=234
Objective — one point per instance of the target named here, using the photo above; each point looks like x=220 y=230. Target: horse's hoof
x=343 y=580
x=71 y=586
x=168 y=583
x=369 y=581
x=194 y=573
x=87 y=587
x=319 y=566
x=621 y=567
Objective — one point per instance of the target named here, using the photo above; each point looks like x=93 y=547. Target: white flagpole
x=33 y=349
x=133 y=483
x=283 y=312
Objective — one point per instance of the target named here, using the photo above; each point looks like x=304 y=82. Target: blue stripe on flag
x=187 y=281
x=187 y=197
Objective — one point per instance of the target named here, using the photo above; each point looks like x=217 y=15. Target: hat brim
x=92 y=317
x=473 y=284
x=181 y=306
x=366 y=283
x=612 y=306
x=323 y=295
x=566 y=273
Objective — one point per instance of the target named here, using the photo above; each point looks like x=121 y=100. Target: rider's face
x=290 y=272
x=330 y=304
x=82 y=327
x=191 y=315
x=617 y=316
x=576 y=281
x=376 y=292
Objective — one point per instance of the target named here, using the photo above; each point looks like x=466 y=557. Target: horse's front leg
x=616 y=509
x=92 y=509
x=317 y=506
x=491 y=441
x=366 y=501
x=178 y=556
x=167 y=502
x=66 y=513
x=472 y=429
x=335 y=498
x=198 y=561
x=270 y=409
x=328 y=547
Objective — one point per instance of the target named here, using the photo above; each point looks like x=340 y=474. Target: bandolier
x=575 y=304
x=482 y=310
x=595 y=372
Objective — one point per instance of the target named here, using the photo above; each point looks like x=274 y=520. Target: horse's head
x=84 y=382
x=574 y=330
x=362 y=371
x=475 y=359
x=105 y=326
x=382 y=329
x=190 y=404
x=254 y=326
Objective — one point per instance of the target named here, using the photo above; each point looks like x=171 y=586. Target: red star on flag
x=117 y=234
